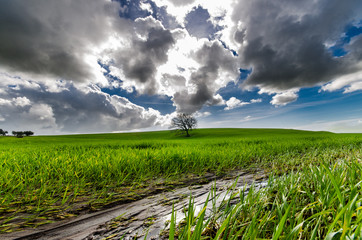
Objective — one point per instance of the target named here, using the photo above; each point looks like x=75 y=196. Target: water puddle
x=149 y=216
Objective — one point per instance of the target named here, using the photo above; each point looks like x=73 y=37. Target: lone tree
x=3 y=132
x=184 y=123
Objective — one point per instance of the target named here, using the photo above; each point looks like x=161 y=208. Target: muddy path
x=146 y=216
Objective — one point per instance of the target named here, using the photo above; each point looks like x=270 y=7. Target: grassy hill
x=51 y=177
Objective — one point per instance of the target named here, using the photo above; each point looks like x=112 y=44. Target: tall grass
x=318 y=202
x=41 y=177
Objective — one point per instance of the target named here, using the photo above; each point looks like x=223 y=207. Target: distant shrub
x=28 y=133
x=18 y=134
x=3 y=132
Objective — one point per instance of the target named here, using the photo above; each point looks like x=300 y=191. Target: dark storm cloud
x=286 y=41
x=52 y=37
x=239 y=35
x=299 y=66
x=214 y=60
x=140 y=62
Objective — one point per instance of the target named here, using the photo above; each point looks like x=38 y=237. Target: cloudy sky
x=85 y=66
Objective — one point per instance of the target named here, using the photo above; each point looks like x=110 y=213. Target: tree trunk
x=187 y=133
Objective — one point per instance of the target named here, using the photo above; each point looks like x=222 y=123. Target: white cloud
x=202 y=114
x=234 y=103
x=4 y=102
x=21 y=101
x=176 y=9
x=42 y=112
x=180 y=64
x=146 y=6
x=284 y=98
x=216 y=67
x=259 y=100
x=350 y=82
x=248 y=118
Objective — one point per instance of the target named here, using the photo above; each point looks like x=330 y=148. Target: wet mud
x=149 y=216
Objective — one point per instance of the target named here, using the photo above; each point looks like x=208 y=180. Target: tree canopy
x=184 y=123
x=20 y=134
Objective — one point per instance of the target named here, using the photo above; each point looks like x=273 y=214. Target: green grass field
x=46 y=178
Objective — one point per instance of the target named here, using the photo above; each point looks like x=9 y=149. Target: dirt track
x=134 y=220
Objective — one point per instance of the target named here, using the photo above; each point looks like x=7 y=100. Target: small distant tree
x=3 y=132
x=184 y=123
x=28 y=133
x=18 y=134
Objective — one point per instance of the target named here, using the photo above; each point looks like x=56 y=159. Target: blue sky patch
x=132 y=10
x=198 y=24
x=350 y=31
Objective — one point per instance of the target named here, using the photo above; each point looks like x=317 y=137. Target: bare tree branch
x=184 y=123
